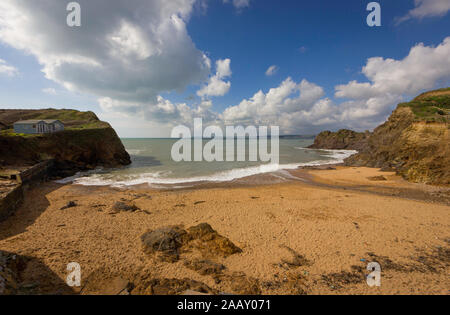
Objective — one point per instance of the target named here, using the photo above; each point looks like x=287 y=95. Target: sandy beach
x=314 y=234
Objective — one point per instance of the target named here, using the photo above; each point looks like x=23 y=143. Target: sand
x=336 y=220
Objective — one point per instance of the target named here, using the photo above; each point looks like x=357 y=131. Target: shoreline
x=92 y=178
x=308 y=236
x=381 y=183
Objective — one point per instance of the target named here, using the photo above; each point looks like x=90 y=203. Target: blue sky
x=319 y=45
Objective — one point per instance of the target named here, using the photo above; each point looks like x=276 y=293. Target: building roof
x=31 y=121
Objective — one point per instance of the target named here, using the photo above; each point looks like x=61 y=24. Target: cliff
x=415 y=141
x=86 y=143
x=342 y=140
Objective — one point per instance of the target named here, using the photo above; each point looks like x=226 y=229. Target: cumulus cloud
x=390 y=80
x=216 y=86
x=427 y=8
x=7 y=69
x=292 y=106
x=303 y=107
x=163 y=111
x=129 y=53
x=271 y=70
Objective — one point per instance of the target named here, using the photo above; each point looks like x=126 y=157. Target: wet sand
x=314 y=234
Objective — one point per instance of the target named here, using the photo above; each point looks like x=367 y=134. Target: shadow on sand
x=24 y=275
x=34 y=204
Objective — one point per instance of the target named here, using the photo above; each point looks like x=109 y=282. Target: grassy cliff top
x=72 y=119
x=431 y=106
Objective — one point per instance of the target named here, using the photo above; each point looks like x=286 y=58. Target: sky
x=146 y=66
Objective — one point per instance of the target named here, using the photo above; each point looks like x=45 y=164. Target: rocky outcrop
x=342 y=140
x=85 y=144
x=169 y=242
x=414 y=142
x=417 y=150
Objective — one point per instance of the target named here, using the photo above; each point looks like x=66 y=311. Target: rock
x=172 y=287
x=124 y=207
x=342 y=140
x=170 y=241
x=190 y=292
x=166 y=241
x=70 y=204
x=240 y=283
x=205 y=267
x=414 y=142
x=210 y=243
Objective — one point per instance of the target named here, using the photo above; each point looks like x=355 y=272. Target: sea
x=152 y=165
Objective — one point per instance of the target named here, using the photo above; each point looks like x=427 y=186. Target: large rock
x=342 y=140
x=169 y=242
x=210 y=243
x=165 y=241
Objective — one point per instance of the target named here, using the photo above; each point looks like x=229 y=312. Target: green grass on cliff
x=72 y=119
x=432 y=106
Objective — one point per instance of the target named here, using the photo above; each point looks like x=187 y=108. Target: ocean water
x=152 y=164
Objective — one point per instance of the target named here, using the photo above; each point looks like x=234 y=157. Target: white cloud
x=239 y=4
x=292 y=106
x=126 y=52
x=216 y=85
x=391 y=81
x=420 y=70
x=427 y=8
x=271 y=70
x=300 y=108
x=50 y=91
x=7 y=69
x=223 y=68
x=163 y=112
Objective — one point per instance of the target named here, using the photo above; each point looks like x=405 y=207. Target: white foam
x=162 y=178
x=134 y=151
x=339 y=155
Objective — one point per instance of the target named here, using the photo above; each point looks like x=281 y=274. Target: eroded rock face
x=342 y=140
x=417 y=150
x=170 y=242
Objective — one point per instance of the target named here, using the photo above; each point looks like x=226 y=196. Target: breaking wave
x=164 y=177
